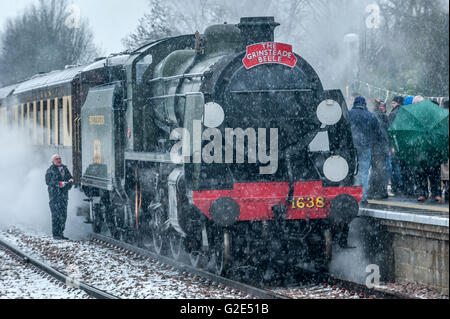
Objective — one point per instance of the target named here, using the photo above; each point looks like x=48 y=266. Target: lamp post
x=351 y=41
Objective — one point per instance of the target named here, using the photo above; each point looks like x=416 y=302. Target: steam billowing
x=23 y=192
x=350 y=264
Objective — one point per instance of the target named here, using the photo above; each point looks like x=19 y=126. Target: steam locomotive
x=222 y=146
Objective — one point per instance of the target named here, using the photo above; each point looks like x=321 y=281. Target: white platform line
x=404 y=217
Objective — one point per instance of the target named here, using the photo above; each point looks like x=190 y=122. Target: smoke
x=327 y=40
x=320 y=31
x=23 y=192
x=350 y=264
x=371 y=250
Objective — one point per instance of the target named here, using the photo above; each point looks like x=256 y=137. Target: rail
x=63 y=278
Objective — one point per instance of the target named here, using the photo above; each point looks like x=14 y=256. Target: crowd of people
x=381 y=173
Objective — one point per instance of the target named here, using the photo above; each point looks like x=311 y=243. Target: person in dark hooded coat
x=397 y=103
x=366 y=136
x=396 y=178
x=380 y=155
x=59 y=181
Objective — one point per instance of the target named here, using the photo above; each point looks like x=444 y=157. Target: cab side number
x=308 y=202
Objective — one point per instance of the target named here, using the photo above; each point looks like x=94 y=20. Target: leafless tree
x=45 y=37
x=157 y=24
x=408 y=50
x=411 y=52
x=167 y=18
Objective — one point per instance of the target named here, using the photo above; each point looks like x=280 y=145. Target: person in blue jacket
x=367 y=135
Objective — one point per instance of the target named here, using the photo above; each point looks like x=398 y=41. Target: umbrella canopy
x=420 y=134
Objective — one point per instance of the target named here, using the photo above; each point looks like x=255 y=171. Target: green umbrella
x=420 y=134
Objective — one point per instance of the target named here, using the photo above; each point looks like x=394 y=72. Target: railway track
x=362 y=290
x=209 y=278
x=312 y=286
x=320 y=286
x=52 y=274
x=329 y=287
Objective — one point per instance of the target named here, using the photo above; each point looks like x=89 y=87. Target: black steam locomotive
x=224 y=146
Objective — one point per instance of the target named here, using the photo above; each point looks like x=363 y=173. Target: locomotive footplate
x=263 y=201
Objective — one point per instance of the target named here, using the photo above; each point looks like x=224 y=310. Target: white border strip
x=404 y=217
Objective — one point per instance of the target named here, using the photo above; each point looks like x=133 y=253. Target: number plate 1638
x=308 y=202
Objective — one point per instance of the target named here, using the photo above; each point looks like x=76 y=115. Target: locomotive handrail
x=177 y=77
x=162 y=97
x=148 y=157
x=275 y=90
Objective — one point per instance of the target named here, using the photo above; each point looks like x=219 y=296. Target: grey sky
x=111 y=20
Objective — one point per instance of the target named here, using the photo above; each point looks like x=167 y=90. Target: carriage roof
x=61 y=77
x=7 y=91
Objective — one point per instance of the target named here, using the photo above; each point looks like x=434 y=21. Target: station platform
x=407 y=210
x=418 y=244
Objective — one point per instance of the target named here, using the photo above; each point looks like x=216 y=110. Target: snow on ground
x=407 y=289
x=20 y=282
x=413 y=290
x=115 y=271
x=133 y=277
x=316 y=292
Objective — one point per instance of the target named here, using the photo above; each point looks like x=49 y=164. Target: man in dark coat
x=397 y=103
x=380 y=154
x=397 y=180
x=59 y=182
x=366 y=134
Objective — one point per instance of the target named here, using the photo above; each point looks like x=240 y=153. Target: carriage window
x=28 y=119
x=37 y=107
x=46 y=120
x=60 y=122
x=68 y=115
x=16 y=115
x=22 y=115
x=26 y=108
x=10 y=115
x=31 y=120
x=52 y=122
x=38 y=124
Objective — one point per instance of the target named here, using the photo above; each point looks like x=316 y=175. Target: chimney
x=257 y=30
